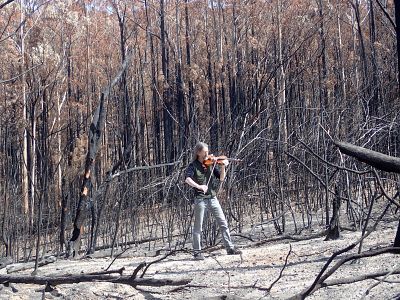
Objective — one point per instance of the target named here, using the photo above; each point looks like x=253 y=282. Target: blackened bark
x=397 y=238
x=191 y=118
x=168 y=108
x=333 y=230
x=126 y=105
x=376 y=159
x=155 y=99
x=95 y=134
x=212 y=104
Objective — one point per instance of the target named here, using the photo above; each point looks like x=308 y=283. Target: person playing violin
x=198 y=176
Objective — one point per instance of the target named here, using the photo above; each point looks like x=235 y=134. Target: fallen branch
x=243 y=236
x=69 y=279
x=288 y=237
x=138 y=268
x=354 y=279
x=130 y=243
x=30 y=265
x=376 y=159
x=383 y=279
x=158 y=260
x=321 y=278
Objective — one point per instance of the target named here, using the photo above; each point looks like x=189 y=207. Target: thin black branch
x=385 y=12
x=6 y=3
x=280 y=273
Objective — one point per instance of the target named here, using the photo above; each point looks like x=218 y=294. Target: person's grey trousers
x=200 y=209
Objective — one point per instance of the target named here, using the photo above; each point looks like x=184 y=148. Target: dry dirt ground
x=221 y=276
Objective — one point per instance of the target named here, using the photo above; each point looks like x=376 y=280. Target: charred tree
x=333 y=229
x=95 y=134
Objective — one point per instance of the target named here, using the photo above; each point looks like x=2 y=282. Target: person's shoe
x=198 y=256
x=233 y=251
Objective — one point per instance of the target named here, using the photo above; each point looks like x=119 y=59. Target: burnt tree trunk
x=397 y=238
x=333 y=230
x=95 y=134
x=166 y=95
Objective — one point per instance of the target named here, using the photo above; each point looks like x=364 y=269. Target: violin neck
x=233 y=159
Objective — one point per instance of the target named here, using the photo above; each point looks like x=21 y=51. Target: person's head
x=200 y=151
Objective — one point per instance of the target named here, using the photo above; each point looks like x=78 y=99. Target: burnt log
x=373 y=158
x=69 y=279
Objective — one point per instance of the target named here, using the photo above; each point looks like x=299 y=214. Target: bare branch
x=3 y=81
x=6 y=3
x=385 y=12
x=280 y=273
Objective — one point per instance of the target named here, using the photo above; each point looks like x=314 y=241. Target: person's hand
x=225 y=162
x=203 y=188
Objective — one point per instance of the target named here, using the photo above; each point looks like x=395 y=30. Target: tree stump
x=333 y=230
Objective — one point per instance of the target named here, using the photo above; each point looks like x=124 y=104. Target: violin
x=219 y=160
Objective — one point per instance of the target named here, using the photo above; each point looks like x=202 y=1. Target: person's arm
x=189 y=175
x=192 y=183
x=222 y=173
x=223 y=170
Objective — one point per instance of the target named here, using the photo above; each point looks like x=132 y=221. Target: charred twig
x=138 y=268
x=321 y=277
x=179 y=288
x=6 y=3
x=394 y=271
x=225 y=271
x=156 y=261
x=268 y=289
x=116 y=256
x=354 y=279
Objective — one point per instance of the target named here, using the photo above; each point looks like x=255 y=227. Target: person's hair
x=199 y=146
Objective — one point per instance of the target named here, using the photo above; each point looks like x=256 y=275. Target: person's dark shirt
x=201 y=174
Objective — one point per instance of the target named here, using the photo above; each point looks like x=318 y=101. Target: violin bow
x=215 y=163
x=211 y=174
